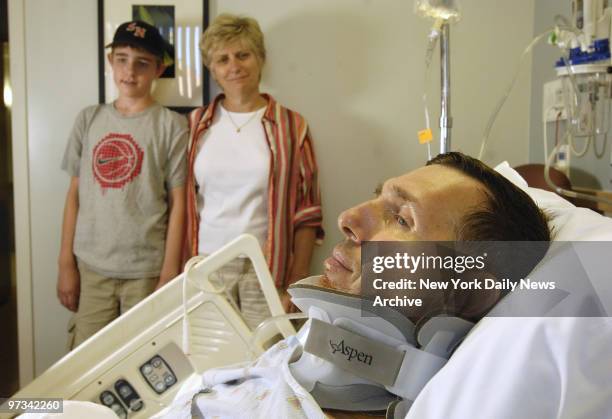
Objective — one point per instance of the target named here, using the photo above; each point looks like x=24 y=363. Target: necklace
x=239 y=127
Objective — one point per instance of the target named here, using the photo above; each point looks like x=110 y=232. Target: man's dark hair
x=509 y=214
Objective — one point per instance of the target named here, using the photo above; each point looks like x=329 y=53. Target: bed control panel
x=142 y=382
x=109 y=399
x=158 y=374
x=124 y=392
x=128 y=395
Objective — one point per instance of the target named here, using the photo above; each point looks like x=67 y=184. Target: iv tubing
x=501 y=103
x=603 y=150
x=571 y=139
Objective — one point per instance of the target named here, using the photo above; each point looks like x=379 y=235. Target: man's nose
x=358 y=223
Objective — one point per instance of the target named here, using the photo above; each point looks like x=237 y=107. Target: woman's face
x=236 y=68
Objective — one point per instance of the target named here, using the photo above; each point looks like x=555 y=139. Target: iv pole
x=443 y=12
x=446 y=120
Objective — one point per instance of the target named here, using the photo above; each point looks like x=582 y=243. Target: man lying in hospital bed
x=483 y=379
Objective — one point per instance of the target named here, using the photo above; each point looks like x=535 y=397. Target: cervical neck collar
x=356 y=360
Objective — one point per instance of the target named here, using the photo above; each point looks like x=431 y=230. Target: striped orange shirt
x=294 y=199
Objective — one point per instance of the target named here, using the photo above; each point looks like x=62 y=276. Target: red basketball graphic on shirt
x=117 y=160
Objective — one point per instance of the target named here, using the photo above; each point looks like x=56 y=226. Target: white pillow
x=568 y=223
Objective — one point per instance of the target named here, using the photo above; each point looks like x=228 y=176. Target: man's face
x=427 y=204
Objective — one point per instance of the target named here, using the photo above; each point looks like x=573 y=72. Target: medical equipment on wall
x=136 y=364
x=361 y=361
x=443 y=12
x=581 y=95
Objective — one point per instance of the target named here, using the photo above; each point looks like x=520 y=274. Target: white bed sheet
x=516 y=368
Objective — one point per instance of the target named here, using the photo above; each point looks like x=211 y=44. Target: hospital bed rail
x=135 y=365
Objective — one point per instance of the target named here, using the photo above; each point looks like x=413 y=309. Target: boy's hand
x=165 y=277
x=69 y=286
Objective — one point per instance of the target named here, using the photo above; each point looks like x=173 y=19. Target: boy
x=124 y=212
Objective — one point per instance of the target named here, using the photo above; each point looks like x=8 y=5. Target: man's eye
x=243 y=55
x=401 y=221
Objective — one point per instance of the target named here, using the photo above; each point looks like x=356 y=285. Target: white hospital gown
x=262 y=389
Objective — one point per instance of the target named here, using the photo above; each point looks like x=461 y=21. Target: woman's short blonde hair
x=227 y=28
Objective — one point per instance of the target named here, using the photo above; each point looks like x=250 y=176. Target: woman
x=252 y=169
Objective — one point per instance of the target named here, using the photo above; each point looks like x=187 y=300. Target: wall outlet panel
x=553 y=102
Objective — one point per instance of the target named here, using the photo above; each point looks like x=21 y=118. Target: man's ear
x=109 y=57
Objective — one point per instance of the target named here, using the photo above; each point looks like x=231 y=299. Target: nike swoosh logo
x=104 y=161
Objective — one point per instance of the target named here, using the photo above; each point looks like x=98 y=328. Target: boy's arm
x=69 y=281
x=174 y=236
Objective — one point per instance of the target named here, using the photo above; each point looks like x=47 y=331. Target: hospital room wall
x=58 y=42
x=589 y=170
x=353 y=68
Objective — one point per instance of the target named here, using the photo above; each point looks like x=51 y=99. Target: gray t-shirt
x=126 y=166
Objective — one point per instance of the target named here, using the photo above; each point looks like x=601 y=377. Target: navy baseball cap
x=142 y=35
